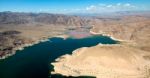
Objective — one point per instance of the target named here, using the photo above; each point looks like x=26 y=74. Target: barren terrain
x=129 y=59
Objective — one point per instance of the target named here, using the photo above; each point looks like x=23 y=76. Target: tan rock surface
x=105 y=61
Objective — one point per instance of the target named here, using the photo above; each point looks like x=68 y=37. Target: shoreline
x=21 y=47
x=102 y=33
x=106 y=35
x=62 y=36
x=64 y=65
x=43 y=39
x=78 y=52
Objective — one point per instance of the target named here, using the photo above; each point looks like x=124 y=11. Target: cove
x=34 y=61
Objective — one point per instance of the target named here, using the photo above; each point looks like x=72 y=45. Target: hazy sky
x=73 y=6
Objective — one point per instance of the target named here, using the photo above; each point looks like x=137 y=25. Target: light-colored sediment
x=105 y=61
x=63 y=36
x=101 y=33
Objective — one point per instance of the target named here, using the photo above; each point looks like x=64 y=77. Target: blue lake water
x=34 y=61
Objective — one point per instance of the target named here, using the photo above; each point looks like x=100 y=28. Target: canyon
x=19 y=30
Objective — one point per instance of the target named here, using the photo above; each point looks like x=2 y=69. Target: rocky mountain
x=42 y=18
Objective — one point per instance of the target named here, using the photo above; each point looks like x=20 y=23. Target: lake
x=34 y=61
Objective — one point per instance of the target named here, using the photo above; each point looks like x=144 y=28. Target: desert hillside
x=134 y=29
x=105 y=61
